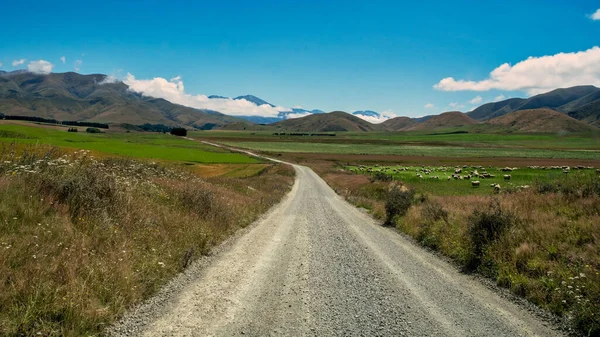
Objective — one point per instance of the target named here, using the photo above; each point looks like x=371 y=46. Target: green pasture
x=142 y=145
x=589 y=141
x=419 y=150
x=443 y=186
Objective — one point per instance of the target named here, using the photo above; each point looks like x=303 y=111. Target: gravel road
x=316 y=265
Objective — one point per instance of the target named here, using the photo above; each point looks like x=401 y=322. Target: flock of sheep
x=472 y=173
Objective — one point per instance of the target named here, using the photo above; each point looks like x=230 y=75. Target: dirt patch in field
x=229 y=170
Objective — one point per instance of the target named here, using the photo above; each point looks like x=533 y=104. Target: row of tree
x=53 y=121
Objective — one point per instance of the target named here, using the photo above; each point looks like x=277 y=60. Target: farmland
x=440 y=180
x=156 y=146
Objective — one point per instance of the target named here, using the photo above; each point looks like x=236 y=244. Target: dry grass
x=82 y=239
x=547 y=248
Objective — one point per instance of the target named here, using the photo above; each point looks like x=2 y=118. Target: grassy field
x=140 y=145
x=588 y=141
x=418 y=150
x=447 y=187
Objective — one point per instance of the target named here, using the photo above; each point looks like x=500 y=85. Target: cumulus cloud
x=298 y=115
x=499 y=98
x=429 y=106
x=109 y=79
x=77 y=65
x=40 y=67
x=63 y=59
x=173 y=90
x=383 y=116
x=536 y=74
x=596 y=15
x=16 y=63
x=476 y=100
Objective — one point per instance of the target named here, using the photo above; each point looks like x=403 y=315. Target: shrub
x=381 y=176
x=433 y=211
x=399 y=200
x=179 y=132
x=483 y=228
x=93 y=130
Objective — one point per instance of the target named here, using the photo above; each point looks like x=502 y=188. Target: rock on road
x=316 y=265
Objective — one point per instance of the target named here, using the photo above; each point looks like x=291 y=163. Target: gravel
x=316 y=265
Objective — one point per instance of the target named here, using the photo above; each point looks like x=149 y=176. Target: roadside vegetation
x=82 y=239
x=541 y=242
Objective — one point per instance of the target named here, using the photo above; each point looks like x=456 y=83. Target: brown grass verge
x=82 y=239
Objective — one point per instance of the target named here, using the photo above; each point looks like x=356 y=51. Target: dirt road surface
x=316 y=265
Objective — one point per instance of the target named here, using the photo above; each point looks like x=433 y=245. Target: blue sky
x=331 y=55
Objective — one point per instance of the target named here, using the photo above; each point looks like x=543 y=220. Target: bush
x=399 y=200
x=381 y=176
x=483 y=228
x=433 y=211
x=93 y=130
x=179 y=132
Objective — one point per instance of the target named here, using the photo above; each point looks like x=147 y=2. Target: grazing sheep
x=475 y=183
x=507 y=177
x=497 y=188
x=449 y=178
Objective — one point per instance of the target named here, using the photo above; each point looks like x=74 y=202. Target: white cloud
x=429 y=106
x=16 y=63
x=63 y=59
x=173 y=90
x=383 y=116
x=456 y=105
x=303 y=114
x=536 y=74
x=476 y=100
x=499 y=98
x=77 y=65
x=596 y=15
x=0 y=64
x=40 y=67
x=109 y=79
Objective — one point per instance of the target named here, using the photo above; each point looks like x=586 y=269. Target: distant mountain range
x=581 y=102
x=75 y=97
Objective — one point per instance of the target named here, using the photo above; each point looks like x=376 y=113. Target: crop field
x=156 y=146
x=581 y=141
x=419 y=150
x=442 y=180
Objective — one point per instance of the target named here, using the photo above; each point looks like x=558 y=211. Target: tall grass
x=542 y=243
x=82 y=239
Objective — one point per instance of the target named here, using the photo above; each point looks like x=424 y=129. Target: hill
x=75 y=97
x=398 y=123
x=540 y=120
x=444 y=120
x=328 y=122
x=571 y=101
x=496 y=109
